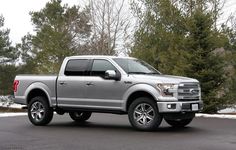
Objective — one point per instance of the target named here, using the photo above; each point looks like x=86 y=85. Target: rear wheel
x=80 y=116
x=179 y=123
x=144 y=115
x=39 y=111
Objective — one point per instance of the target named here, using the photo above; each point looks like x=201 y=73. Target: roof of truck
x=98 y=56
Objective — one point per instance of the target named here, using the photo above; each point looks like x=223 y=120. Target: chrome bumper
x=178 y=106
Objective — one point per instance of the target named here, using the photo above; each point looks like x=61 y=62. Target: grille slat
x=188 y=92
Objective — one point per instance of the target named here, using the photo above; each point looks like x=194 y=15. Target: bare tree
x=110 y=26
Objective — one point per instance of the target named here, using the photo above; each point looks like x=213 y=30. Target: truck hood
x=164 y=78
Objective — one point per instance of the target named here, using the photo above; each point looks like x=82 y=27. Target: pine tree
x=179 y=37
x=7 y=52
x=205 y=65
x=8 y=56
x=60 y=31
x=158 y=40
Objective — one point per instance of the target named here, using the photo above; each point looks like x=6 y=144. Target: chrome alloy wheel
x=144 y=114
x=37 y=111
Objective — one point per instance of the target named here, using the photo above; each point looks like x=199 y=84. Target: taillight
x=15 y=85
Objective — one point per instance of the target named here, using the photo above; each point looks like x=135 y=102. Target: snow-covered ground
x=17 y=106
x=12 y=114
x=7 y=102
x=228 y=110
x=223 y=116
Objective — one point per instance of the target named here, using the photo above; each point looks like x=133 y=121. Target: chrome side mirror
x=111 y=74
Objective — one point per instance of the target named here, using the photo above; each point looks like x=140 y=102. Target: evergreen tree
x=8 y=56
x=7 y=52
x=159 y=38
x=28 y=58
x=60 y=31
x=179 y=37
x=7 y=75
x=205 y=66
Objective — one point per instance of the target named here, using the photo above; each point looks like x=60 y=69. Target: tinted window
x=77 y=67
x=100 y=66
x=135 y=66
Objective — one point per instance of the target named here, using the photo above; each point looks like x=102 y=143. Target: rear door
x=71 y=85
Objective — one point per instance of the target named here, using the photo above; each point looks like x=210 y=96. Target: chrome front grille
x=189 y=92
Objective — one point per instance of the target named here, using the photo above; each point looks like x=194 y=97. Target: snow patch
x=216 y=116
x=228 y=110
x=12 y=114
x=17 y=106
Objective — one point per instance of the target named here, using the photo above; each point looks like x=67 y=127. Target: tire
x=39 y=111
x=144 y=115
x=179 y=123
x=80 y=116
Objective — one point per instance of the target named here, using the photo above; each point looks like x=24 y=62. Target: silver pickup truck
x=109 y=84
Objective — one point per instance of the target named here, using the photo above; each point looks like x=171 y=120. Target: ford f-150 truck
x=110 y=84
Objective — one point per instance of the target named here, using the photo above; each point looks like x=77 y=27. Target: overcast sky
x=17 y=18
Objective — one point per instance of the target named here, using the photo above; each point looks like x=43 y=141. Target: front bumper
x=178 y=106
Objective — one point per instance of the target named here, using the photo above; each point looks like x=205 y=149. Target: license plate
x=195 y=107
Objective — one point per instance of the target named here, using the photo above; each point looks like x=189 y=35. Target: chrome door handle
x=62 y=83
x=89 y=83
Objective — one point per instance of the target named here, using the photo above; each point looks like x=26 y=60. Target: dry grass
x=227 y=113
x=6 y=109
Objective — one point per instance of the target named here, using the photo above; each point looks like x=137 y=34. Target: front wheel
x=144 y=115
x=80 y=116
x=179 y=123
x=39 y=111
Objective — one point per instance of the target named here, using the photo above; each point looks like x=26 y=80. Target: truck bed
x=27 y=82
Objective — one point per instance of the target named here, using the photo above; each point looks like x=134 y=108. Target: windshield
x=135 y=66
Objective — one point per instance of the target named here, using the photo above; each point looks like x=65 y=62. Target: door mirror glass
x=111 y=74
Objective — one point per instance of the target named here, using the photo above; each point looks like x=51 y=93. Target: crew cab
x=110 y=84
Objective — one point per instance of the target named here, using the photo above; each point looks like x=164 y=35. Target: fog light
x=171 y=106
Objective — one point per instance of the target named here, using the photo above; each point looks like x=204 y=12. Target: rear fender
x=40 y=86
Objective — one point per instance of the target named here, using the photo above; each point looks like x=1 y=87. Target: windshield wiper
x=153 y=73
x=137 y=73
x=143 y=73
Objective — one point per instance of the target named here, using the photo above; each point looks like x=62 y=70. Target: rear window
x=77 y=67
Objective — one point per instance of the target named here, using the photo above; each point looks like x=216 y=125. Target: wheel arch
x=38 y=89
x=140 y=90
x=136 y=95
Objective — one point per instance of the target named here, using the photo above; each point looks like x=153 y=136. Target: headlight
x=166 y=89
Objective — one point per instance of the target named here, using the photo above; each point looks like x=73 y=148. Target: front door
x=101 y=92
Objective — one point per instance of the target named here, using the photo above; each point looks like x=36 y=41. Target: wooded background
x=179 y=37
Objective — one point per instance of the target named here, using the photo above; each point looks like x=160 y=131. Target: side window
x=77 y=67
x=100 y=67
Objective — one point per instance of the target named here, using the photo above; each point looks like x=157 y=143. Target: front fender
x=41 y=86
x=139 y=87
